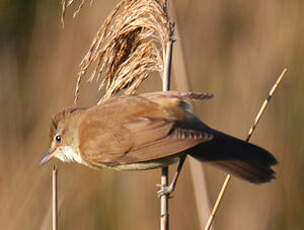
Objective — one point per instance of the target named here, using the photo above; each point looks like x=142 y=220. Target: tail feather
x=250 y=172
x=240 y=158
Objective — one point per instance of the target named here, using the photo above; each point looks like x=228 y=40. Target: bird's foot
x=165 y=190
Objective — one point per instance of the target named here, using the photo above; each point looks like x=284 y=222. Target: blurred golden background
x=234 y=49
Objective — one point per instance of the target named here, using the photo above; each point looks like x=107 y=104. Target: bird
x=148 y=131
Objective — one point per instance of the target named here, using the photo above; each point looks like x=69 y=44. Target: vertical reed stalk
x=181 y=81
x=54 y=199
x=164 y=209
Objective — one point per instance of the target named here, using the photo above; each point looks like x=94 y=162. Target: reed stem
x=255 y=123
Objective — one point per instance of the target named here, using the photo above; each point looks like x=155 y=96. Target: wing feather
x=173 y=143
x=132 y=129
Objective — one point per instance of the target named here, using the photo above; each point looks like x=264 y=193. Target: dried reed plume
x=128 y=47
x=66 y=3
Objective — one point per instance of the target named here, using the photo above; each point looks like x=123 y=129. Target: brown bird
x=148 y=131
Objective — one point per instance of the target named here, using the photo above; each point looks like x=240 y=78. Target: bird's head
x=63 y=143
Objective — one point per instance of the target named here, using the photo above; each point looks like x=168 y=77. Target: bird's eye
x=58 y=139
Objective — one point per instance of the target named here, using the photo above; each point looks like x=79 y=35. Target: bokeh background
x=234 y=49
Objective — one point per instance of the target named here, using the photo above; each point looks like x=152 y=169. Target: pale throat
x=68 y=154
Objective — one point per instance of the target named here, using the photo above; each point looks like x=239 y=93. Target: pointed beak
x=48 y=156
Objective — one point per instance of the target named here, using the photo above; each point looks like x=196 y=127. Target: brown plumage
x=149 y=131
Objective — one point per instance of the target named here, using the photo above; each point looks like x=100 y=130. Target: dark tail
x=237 y=157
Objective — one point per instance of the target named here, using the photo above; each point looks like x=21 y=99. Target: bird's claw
x=165 y=190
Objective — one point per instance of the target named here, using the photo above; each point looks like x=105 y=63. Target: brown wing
x=130 y=129
x=159 y=138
